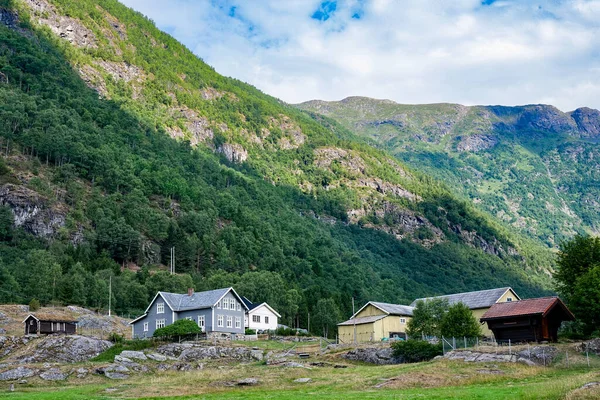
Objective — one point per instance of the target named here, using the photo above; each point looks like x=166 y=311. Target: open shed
x=530 y=320
x=49 y=323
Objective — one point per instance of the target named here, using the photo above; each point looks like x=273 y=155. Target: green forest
x=125 y=192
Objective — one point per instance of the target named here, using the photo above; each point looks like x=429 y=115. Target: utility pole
x=308 y=323
x=109 y=293
x=172 y=260
x=354 y=319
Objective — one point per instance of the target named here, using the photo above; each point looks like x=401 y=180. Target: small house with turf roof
x=478 y=301
x=374 y=322
x=217 y=312
x=49 y=323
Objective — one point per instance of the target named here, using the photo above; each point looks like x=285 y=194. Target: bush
x=250 y=331
x=109 y=354
x=181 y=327
x=115 y=337
x=34 y=305
x=282 y=331
x=416 y=350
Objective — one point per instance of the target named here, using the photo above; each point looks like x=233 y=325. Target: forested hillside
x=535 y=168
x=118 y=144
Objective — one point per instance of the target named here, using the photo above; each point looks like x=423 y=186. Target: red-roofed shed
x=530 y=320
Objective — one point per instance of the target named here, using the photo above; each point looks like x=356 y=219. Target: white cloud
x=412 y=51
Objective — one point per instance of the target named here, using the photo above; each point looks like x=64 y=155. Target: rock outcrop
x=193 y=352
x=476 y=142
x=64 y=349
x=537 y=355
x=588 y=121
x=17 y=373
x=373 y=355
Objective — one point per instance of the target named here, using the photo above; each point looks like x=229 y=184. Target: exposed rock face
x=123 y=71
x=588 y=121
x=66 y=27
x=31 y=211
x=293 y=136
x=233 y=152
x=592 y=346
x=373 y=355
x=386 y=188
x=538 y=355
x=66 y=349
x=194 y=352
x=9 y=18
x=9 y=344
x=326 y=155
x=545 y=118
x=53 y=374
x=476 y=142
x=138 y=355
x=17 y=373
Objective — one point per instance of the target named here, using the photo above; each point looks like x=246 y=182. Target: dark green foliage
x=459 y=321
x=326 y=316
x=427 y=318
x=180 y=327
x=411 y=351
x=578 y=281
x=116 y=338
x=34 y=305
x=109 y=354
x=249 y=331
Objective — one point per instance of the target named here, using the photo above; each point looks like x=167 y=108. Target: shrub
x=181 y=327
x=34 y=305
x=416 y=350
x=459 y=321
x=250 y=331
x=115 y=337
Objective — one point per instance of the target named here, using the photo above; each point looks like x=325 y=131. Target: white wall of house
x=261 y=318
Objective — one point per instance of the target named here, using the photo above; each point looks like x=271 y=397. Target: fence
x=578 y=356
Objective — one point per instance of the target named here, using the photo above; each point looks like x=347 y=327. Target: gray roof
x=394 y=309
x=363 y=320
x=473 y=300
x=182 y=302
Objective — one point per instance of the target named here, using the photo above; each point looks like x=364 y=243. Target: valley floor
x=441 y=379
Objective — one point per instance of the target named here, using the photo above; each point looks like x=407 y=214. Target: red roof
x=540 y=306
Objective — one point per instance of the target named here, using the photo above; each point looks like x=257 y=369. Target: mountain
x=119 y=146
x=534 y=168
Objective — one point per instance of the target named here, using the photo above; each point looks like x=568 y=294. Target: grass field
x=431 y=380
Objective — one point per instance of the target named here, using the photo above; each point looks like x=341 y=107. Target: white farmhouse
x=260 y=316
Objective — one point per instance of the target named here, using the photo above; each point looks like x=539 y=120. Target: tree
x=34 y=305
x=326 y=316
x=427 y=317
x=459 y=321
x=577 y=278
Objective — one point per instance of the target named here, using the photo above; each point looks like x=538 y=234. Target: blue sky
x=410 y=51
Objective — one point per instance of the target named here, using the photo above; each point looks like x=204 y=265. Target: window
x=160 y=323
x=266 y=319
x=160 y=308
x=256 y=318
x=402 y=320
x=201 y=322
x=509 y=299
x=219 y=304
x=220 y=321
x=229 y=322
x=239 y=307
x=145 y=327
x=189 y=318
x=232 y=304
x=238 y=322
x=225 y=304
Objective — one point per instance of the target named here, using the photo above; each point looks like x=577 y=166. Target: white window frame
x=229 y=321
x=145 y=327
x=225 y=304
x=239 y=307
x=509 y=299
x=238 y=322
x=219 y=304
x=160 y=308
x=160 y=323
x=201 y=322
x=220 y=321
x=256 y=318
x=402 y=320
x=266 y=319
x=232 y=304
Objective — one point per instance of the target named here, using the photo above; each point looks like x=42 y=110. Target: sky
x=505 y=52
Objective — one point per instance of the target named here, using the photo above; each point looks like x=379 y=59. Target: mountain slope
x=533 y=167
x=118 y=144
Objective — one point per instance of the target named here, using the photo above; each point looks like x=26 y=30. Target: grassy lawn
x=432 y=380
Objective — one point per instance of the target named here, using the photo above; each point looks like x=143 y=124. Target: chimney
x=190 y=292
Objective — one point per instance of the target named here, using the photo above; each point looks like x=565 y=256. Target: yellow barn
x=479 y=302
x=375 y=321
